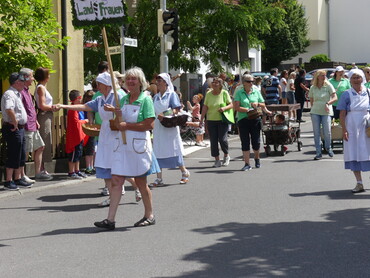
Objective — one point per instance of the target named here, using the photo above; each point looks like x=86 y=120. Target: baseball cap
x=13 y=77
x=339 y=68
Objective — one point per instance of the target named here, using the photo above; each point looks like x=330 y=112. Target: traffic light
x=168 y=24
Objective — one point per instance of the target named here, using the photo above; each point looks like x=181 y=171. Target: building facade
x=336 y=28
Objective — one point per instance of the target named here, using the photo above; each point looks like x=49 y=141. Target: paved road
x=294 y=217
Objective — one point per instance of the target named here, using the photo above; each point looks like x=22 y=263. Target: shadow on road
x=335 y=247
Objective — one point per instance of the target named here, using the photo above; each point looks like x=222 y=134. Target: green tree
x=287 y=39
x=206 y=26
x=28 y=32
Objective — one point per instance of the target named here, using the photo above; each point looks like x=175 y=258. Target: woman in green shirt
x=322 y=96
x=216 y=102
x=340 y=85
x=249 y=129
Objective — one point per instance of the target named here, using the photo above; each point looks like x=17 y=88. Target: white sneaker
x=217 y=164
x=27 y=179
x=105 y=203
x=226 y=160
x=358 y=188
x=105 y=191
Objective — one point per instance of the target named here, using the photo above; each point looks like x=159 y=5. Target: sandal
x=145 y=222
x=157 y=182
x=137 y=195
x=185 y=177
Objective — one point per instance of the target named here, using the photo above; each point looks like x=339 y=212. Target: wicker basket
x=91 y=129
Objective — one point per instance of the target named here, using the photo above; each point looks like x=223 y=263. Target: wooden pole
x=106 y=46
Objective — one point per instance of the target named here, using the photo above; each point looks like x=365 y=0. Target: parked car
x=310 y=74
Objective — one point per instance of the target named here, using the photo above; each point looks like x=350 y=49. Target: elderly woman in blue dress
x=354 y=107
x=167 y=143
x=135 y=158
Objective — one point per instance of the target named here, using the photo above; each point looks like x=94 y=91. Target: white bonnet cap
x=104 y=78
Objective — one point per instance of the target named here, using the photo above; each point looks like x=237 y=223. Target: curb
x=38 y=188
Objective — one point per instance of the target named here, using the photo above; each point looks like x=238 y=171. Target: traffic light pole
x=164 y=57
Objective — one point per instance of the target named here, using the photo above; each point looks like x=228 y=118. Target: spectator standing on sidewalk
x=271 y=88
x=14 y=120
x=75 y=138
x=34 y=142
x=44 y=102
x=300 y=93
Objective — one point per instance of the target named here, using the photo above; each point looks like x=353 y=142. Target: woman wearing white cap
x=103 y=159
x=135 y=158
x=340 y=85
x=354 y=107
x=167 y=143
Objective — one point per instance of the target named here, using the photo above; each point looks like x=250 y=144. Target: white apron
x=166 y=140
x=134 y=158
x=358 y=145
x=104 y=151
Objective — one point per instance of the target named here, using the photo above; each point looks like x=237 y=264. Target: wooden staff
x=106 y=46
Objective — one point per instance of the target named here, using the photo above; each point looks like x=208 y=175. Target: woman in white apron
x=167 y=143
x=135 y=158
x=103 y=159
x=354 y=107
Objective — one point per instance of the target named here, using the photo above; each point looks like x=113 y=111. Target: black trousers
x=250 y=131
x=217 y=131
x=15 y=147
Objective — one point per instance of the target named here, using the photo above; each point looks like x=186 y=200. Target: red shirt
x=74 y=134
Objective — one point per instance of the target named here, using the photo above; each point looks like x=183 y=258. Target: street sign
x=114 y=50
x=131 y=42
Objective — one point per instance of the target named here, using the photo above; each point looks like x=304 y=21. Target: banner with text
x=98 y=12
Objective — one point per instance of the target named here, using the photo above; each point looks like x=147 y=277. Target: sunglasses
x=368 y=72
x=248 y=81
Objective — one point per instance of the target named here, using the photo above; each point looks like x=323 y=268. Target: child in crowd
x=90 y=140
x=75 y=138
x=195 y=112
x=279 y=121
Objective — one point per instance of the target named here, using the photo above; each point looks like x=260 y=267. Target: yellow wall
x=75 y=59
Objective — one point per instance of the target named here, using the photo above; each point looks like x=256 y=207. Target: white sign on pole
x=114 y=50
x=130 y=42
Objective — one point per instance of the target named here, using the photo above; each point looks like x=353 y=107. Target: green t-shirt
x=367 y=85
x=340 y=87
x=214 y=102
x=246 y=100
x=98 y=120
x=320 y=98
x=146 y=106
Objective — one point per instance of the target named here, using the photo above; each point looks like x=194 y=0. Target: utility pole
x=123 y=69
x=164 y=57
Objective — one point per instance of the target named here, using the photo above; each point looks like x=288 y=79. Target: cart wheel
x=268 y=150
x=300 y=146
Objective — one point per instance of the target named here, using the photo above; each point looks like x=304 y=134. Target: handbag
x=254 y=113
x=227 y=115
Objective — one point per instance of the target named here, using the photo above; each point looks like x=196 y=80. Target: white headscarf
x=104 y=78
x=167 y=78
x=358 y=72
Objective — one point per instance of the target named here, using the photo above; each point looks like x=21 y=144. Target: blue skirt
x=362 y=166
x=103 y=173
x=171 y=162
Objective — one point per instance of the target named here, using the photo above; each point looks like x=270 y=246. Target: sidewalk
x=60 y=179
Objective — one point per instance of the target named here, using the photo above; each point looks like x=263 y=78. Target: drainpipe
x=64 y=54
